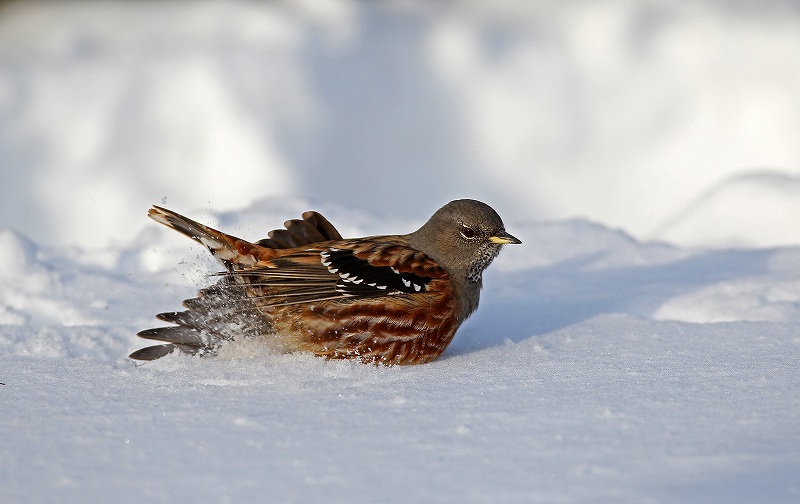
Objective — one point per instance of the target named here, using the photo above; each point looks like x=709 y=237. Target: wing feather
x=344 y=270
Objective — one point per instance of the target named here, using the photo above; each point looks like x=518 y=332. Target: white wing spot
x=417 y=287
x=407 y=283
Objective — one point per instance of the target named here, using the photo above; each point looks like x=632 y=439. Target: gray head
x=464 y=237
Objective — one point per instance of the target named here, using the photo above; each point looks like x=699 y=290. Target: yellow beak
x=503 y=238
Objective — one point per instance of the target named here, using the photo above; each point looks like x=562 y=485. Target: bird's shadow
x=519 y=305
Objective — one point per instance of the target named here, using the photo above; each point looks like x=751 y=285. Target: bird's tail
x=219 y=313
x=231 y=251
x=223 y=311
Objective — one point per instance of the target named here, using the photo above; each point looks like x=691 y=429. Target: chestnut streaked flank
x=395 y=299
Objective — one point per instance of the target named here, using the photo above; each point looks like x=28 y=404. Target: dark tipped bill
x=503 y=238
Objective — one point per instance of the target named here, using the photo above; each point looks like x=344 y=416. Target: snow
x=597 y=371
x=733 y=213
x=641 y=345
x=622 y=112
x=618 y=409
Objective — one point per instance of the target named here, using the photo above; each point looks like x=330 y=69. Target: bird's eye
x=468 y=232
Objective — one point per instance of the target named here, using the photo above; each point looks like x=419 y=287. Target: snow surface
x=642 y=345
x=597 y=369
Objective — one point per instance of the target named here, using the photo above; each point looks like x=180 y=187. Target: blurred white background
x=675 y=121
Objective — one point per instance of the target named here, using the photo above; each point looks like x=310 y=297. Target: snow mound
x=27 y=285
x=757 y=209
x=772 y=292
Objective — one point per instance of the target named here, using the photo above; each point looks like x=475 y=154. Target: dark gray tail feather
x=220 y=313
x=158 y=351
x=152 y=352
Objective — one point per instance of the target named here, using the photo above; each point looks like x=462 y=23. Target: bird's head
x=464 y=237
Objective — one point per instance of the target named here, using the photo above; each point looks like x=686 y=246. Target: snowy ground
x=597 y=369
x=655 y=364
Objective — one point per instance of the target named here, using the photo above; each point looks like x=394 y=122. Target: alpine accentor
x=396 y=299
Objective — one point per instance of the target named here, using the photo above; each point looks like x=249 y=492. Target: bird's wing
x=344 y=269
x=312 y=228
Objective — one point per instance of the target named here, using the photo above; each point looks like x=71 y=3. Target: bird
x=392 y=299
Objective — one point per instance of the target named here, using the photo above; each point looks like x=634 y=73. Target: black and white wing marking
x=357 y=277
x=316 y=275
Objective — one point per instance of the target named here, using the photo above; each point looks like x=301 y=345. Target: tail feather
x=185 y=225
x=158 y=351
x=220 y=313
x=231 y=251
x=152 y=352
x=224 y=311
x=183 y=335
